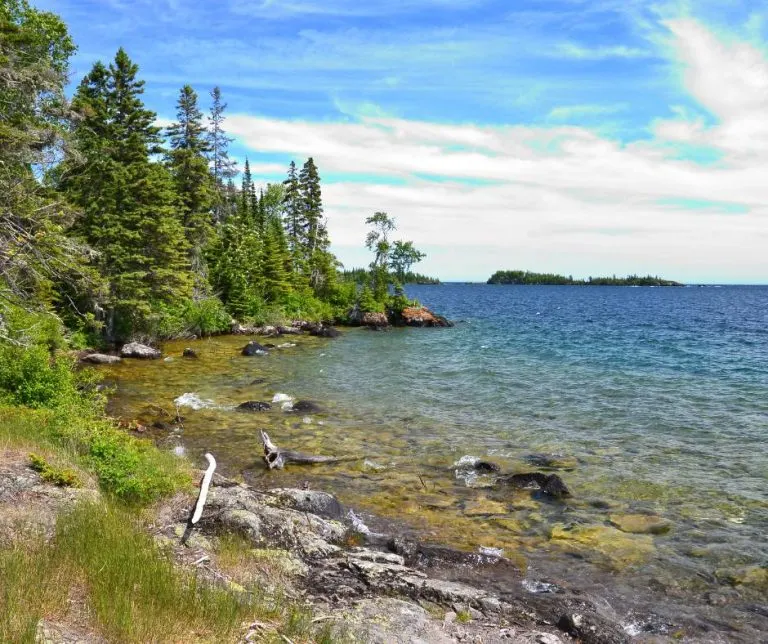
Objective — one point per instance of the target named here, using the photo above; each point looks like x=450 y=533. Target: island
x=553 y=279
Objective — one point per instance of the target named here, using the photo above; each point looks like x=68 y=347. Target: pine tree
x=128 y=202
x=245 y=205
x=193 y=182
x=294 y=227
x=315 y=242
x=222 y=167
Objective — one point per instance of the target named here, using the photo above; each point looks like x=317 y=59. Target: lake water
x=649 y=401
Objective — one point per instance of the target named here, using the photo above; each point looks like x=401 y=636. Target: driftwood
x=277 y=458
x=197 y=511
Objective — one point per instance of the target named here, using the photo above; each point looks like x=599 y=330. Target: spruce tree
x=315 y=242
x=293 y=222
x=194 y=184
x=222 y=167
x=128 y=202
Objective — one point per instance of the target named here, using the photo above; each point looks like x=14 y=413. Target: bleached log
x=205 y=484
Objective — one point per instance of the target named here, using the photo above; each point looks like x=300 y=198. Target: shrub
x=63 y=477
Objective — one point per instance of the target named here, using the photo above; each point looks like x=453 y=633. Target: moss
x=63 y=477
x=618 y=549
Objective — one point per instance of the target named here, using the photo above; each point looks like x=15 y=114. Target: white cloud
x=580 y=52
x=730 y=80
x=565 y=112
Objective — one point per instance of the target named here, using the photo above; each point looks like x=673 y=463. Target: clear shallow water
x=658 y=397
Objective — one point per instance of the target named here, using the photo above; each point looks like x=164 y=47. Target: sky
x=584 y=137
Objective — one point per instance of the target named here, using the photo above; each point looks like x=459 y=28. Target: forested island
x=553 y=279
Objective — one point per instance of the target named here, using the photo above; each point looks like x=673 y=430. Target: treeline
x=123 y=229
x=552 y=279
x=359 y=275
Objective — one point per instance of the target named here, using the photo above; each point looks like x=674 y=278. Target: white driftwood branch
x=204 y=485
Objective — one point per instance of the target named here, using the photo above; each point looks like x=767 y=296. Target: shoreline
x=700 y=636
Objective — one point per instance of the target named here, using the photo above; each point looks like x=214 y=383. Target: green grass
x=131 y=469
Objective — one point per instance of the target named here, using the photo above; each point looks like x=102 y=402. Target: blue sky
x=579 y=136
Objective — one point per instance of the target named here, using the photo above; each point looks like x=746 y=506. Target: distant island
x=528 y=277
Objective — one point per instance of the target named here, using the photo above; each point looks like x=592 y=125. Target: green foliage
x=201 y=318
x=368 y=302
x=61 y=476
x=527 y=277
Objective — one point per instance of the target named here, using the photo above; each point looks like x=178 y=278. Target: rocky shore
x=378 y=587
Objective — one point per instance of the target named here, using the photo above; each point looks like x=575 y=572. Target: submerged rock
x=550 y=484
x=189 y=353
x=254 y=405
x=621 y=549
x=483 y=506
x=100 y=358
x=253 y=348
x=306 y=407
x=554 y=461
x=640 y=523
x=140 y=351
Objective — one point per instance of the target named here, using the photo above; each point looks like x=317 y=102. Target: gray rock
x=141 y=351
x=100 y=358
x=386 y=620
x=320 y=503
x=254 y=349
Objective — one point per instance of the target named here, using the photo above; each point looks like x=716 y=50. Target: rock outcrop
x=140 y=351
x=422 y=317
x=100 y=358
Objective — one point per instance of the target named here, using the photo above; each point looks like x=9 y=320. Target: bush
x=203 y=317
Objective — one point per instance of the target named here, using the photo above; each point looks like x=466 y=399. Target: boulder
x=141 y=351
x=640 y=523
x=322 y=331
x=306 y=407
x=313 y=501
x=254 y=405
x=422 y=317
x=288 y=330
x=100 y=358
x=189 y=353
x=375 y=320
x=549 y=484
x=254 y=349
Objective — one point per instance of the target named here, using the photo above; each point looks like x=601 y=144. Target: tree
x=222 y=167
x=129 y=207
x=314 y=242
x=292 y=209
x=35 y=48
x=194 y=184
x=377 y=241
x=402 y=257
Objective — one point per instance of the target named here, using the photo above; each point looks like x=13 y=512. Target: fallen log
x=277 y=458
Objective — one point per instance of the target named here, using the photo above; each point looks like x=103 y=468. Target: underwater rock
x=189 y=353
x=553 y=461
x=483 y=506
x=485 y=467
x=550 y=484
x=640 y=523
x=140 y=351
x=306 y=407
x=100 y=358
x=254 y=405
x=253 y=348
x=621 y=549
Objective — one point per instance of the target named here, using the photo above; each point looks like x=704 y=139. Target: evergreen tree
x=128 y=203
x=222 y=167
x=246 y=203
x=293 y=221
x=314 y=242
x=193 y=182
x=34 y=252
